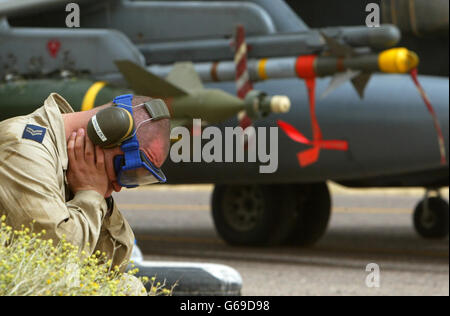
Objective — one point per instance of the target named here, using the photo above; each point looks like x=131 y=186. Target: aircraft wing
x=22 y=7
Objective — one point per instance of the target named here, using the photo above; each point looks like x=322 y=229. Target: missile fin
x=337 y=49
x=338 y=80
x=145 y=83
x=360 y=83
x=183 y=75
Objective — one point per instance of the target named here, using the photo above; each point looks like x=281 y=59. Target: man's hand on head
x=87 y=169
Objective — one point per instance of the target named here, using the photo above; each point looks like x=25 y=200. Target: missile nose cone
x=398 y=60
x=280 y=104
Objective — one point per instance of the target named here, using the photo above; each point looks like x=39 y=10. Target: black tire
x=436 y=225
x=313 y=210
x=252 y=215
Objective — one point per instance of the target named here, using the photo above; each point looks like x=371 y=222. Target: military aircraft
x=385 y=139
x=424 y=25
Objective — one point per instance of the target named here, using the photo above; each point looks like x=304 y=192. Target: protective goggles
x=140 y=172
x=133 y=168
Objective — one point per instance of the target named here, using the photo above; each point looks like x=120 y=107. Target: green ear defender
x=110 y=127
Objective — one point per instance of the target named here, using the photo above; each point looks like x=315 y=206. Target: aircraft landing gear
x=313 y=208
x=431 y=216
x=252 y=215
x=267 y=215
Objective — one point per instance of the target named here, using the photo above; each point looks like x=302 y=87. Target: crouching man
x=59 y=168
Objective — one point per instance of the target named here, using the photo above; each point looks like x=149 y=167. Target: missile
x=395 y=60
x=22 y=97
x=187 y=98
x=215 y=106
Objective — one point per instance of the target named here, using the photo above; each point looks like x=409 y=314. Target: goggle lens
x=145 y=175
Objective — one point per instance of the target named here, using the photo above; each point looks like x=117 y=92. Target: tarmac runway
x=173 y=223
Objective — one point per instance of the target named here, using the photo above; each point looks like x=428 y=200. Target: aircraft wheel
x=252 y=215
x=431 y=218
x=313 y=208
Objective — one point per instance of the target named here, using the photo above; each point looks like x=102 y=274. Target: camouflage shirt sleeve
x=116 y=237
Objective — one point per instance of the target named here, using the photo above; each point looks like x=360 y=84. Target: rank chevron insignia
x=33 y=132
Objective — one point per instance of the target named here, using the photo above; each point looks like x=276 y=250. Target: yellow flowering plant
x=31 y=265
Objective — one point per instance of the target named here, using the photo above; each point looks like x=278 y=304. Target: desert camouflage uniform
x=33 y=186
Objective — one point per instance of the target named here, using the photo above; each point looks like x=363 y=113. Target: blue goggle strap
x=125 y=102
x=129 y=147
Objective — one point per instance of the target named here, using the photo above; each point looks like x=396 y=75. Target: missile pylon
x=272 y=45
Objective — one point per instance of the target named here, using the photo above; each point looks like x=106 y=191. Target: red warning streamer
x=311 y=156
x=437 y=126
